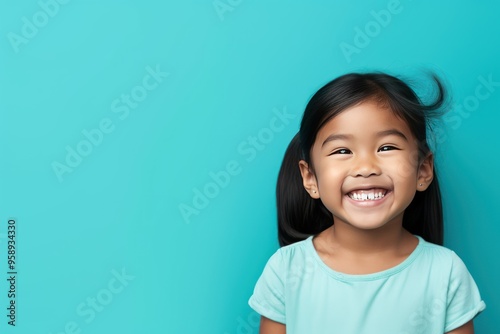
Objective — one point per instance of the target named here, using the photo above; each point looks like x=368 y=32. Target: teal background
x=119 y=208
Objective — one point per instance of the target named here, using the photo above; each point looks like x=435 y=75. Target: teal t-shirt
x=430 y=292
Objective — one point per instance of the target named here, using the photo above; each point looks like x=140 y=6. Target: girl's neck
x=353 y=251
x=389 y=238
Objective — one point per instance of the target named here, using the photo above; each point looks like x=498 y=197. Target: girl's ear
x=425 y=172
x=309 y=179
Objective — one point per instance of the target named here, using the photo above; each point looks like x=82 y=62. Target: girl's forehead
x=365 y=118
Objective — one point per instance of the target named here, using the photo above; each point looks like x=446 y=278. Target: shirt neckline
x=365 y=277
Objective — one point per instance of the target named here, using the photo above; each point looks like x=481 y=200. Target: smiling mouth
x=368 y=194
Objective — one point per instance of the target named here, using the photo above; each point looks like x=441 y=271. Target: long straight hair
x=299 y=215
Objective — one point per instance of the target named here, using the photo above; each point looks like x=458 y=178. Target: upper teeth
x=366 y=195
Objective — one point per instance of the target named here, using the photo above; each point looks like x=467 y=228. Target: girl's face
x=366 y=167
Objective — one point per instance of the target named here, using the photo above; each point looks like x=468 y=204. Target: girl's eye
x=387 y=148
x=342 y=151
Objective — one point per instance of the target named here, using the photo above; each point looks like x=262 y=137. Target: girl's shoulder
x=437 y=253
x=442 y=263
x=292 y=255
x=297 y=249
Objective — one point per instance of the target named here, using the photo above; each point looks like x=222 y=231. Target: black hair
x=299 y=215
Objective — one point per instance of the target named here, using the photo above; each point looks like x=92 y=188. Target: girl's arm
x=268 y=326
x=468 y=328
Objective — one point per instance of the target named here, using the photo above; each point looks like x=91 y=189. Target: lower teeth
x=367 y=199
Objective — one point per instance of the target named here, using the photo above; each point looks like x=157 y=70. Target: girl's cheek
x=405 y=168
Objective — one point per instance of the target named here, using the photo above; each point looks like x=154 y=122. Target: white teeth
x=366 y=196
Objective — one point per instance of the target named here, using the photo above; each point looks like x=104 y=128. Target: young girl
x=360 y=221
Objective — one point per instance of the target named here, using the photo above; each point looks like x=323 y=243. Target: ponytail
x=299 y=215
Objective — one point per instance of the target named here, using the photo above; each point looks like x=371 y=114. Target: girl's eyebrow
x=385 y=133
x=392 y=132
x=337 y=136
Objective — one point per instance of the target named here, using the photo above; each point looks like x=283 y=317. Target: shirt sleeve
x=268 y=297
x=464 y=301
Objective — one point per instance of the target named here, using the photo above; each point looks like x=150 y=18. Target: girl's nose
x=365 y=166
